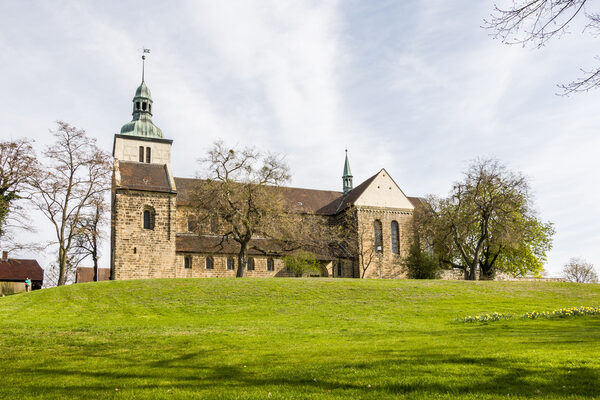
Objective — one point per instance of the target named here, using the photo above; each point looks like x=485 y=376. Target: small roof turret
x=347 y=177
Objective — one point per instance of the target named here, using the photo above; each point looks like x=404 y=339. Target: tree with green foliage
x=419 y=263
x=487 y=223
x=302 y=263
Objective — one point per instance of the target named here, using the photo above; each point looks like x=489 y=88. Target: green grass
x=297 y=339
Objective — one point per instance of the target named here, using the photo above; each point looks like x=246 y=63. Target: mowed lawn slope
x=297 y=338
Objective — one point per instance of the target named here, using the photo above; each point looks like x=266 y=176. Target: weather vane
x=144 y=51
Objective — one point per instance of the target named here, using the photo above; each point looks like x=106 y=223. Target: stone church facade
x=152 y=235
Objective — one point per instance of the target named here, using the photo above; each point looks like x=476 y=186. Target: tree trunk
x=62 y=261
x=242 y=260
x=95 y=257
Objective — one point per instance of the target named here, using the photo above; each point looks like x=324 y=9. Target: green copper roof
x=143 y=91
x=141 y=124
x=347 y=172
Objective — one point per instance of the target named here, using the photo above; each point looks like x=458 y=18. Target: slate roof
x=18 y=270
x=86 y=274
x=142 y=176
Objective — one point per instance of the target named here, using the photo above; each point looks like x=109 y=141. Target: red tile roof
x=18 y=270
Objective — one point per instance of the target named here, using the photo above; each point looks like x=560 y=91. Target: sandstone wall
x=137 y=252
x=384 y=264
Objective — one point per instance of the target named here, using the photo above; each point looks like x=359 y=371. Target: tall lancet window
x=378 y=232
x=395 y=238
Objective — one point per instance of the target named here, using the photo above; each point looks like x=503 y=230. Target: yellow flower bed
x=560 y=313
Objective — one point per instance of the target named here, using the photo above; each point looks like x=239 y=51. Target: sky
x=415 y=87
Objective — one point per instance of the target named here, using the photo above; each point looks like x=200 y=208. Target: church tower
x=347 y=177
x=143 y=196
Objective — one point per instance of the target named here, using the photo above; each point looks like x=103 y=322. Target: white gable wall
x=383 y=192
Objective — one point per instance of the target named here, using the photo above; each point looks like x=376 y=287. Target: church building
x=152 y=236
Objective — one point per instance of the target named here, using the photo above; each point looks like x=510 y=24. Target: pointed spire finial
x=347 y=178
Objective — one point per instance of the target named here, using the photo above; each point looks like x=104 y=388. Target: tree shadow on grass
x=444 y=371
x=483 y=376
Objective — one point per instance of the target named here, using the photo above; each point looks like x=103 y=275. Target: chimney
x=4 y=255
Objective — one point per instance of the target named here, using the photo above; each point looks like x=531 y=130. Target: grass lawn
x=297 y=339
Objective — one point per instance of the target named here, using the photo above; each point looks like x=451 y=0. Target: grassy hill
x=297 y=338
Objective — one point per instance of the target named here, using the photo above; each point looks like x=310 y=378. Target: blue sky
x=417 y=87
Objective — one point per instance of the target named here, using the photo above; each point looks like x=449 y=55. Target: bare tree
x=89 y=234
x=580 y=271
x=538 y=21
x=366 y=252
x=75 y=173
x=18 y=166
x=238 y=189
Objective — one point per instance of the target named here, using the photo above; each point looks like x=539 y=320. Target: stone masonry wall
x=198 y=267
x=137 y=252
x=385 y=264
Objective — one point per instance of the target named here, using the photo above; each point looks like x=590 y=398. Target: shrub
x=420 y=264
x=301 y=263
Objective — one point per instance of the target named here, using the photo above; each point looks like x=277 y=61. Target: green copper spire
x=141 y=124
x=347 y=178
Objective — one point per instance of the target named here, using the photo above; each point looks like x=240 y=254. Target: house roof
x=214 y=244
x=415 y=201
x=300 y=200
x=310 y=201
x=18 y=270
x=142 y=176
x=86 y=274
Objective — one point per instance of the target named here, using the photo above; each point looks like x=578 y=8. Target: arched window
x=144 y=105
x=270 y=264
x=149 y=107
x=137 y=105
x=230 y=263
x=250 y=264
x=210 y=263
x=187 y=262
x=395 y=238
x=148 y=155
x=141 y=153
x=378 y=233
x=149 y=218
